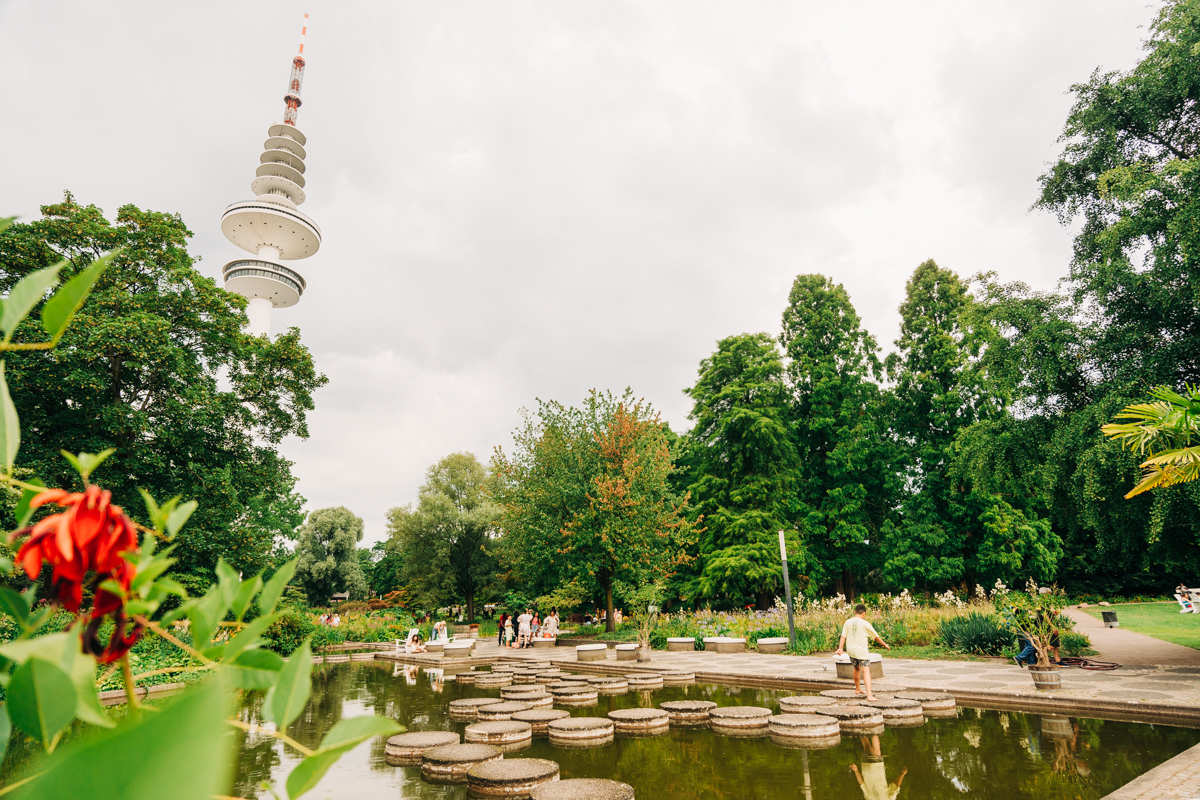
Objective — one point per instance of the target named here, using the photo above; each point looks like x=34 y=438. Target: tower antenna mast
x=270 y=226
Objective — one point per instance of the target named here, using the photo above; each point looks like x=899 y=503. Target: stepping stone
x=598 y=680
x=406 y=748
x=499 y=732
x=464 y=710
x=501 y=711
x=688 y=712
x=575 y=731
x=678 y=678
x=466 y=677
x=574 y=693
x=898 y=711
x=806 y=743
x=539 y=718
x=845 y=697
x=449 y=763
x=739 y=719
x=505 y=667
x=493 y=679
x=853 y=719
x=524 y=678
x=583 y=789
x=514 y=777
x=930 y=701
x=804 y=704
x=645 y=721
x=566 y=685
x=645 y=680
x=805 y=726
x=552 y=676
x=523 y=692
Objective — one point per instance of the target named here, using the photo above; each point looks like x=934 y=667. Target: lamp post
x=787 y=591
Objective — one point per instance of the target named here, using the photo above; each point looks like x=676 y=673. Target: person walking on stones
x=856 y=634
x=872 y=778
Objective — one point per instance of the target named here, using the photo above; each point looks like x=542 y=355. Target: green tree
x=327 y=555
x=741 y=461
x=447 y=540
x=949 y=530
x=587 y=496
x=388 y=567
x=157 y=366
x=845 y=482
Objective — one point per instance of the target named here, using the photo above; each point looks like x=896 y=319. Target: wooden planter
x=1046 y=679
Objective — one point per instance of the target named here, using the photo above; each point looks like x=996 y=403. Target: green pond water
x=986 y=754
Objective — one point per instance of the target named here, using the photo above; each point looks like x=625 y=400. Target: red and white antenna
x=292 y=98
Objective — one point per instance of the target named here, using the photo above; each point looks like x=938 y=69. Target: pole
x=787 y=590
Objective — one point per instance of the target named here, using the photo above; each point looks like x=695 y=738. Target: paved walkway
x=1126 y=647
x=1176 y=779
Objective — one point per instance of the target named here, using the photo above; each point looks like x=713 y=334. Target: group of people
x=330 y=619
x=600 y=616
x=521 y=630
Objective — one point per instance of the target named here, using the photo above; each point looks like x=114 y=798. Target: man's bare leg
x=867 y=678
x=856 y=689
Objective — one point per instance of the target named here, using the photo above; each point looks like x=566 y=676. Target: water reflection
x=975 y=754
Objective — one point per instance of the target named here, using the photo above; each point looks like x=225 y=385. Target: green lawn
x=1160 y=620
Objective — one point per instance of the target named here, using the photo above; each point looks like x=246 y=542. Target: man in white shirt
x=856 y=633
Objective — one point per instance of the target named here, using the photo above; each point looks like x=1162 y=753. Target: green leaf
x=66 y=302
x=147 y=573
x=204 y=614
x=86 y=463
x=48 y=647
x=13 y=604
x=82 y=670
x=255 y=669
x=248 y=635
x=227 y=580
x=25 y=295
x=287 y=697
x=343 y=737
x=41 y=700
x=5 y=222
x=23 y=512
x=10 y=425
x=182 y=753
x=5 y=724
x=245 y=594
x=274 y=588
x=177 y=518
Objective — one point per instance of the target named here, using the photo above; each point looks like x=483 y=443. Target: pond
x=994 y=754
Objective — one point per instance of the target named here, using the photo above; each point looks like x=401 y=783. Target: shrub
x=351 y=607
x=769 y=632
x=1075 y=644
x=976 y=633
x=287 y=632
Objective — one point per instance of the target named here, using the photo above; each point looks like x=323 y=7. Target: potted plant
x=644 y=602
x=1033 y=616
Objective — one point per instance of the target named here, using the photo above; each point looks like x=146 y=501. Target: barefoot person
x=856 y=633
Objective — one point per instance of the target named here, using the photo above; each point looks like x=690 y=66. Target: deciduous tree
x=327 y=556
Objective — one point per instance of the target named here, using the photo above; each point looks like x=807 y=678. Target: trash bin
x=1110 y=619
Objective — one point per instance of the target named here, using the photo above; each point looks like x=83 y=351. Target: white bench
x=458 y=649
x=681 y=643
x=725 y=644
x=845 y=670
x=591 y=652
x=542 y=642
x=773 y=644
x=626 y=652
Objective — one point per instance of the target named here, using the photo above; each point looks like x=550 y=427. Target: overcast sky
x=524 y=200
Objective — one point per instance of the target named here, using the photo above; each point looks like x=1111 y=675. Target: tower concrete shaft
x=271 y=226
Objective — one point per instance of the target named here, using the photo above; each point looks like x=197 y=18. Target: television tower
x=270 y=226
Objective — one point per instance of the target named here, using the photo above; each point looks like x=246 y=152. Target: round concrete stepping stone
x=505 y=667
x=644 y=681
x=576 y=730
x=598 y=680
x=539 y=718
x=930 y=701
x=408 y=747
x=941 y=713
x=523 y=692
x=805 y=726
x=449 y=763
x=577 y=693
x=646 y=721
x=688 y=712
x=462 y=710
x=804 y=704
x=501 y=711
x=466 y=677
x=566 y=685
x=499 y=732
x=848 y=697
x=513 y=777
x=805 y=743
x=739 y=718
x=898 y=711
x=524 y=678
x=583 y=789
x=853 y=719
x=678 y=678
x=493 y=680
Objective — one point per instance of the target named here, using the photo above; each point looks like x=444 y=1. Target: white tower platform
x=270 y=226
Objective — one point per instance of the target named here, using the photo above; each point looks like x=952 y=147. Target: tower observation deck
x=270 y=226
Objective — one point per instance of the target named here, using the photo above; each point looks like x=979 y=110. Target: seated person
x=418 y=645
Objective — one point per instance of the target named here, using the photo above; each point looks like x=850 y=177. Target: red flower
x=89 y=536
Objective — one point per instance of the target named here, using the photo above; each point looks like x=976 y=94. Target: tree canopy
x=327 y=558
x=157 y=366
